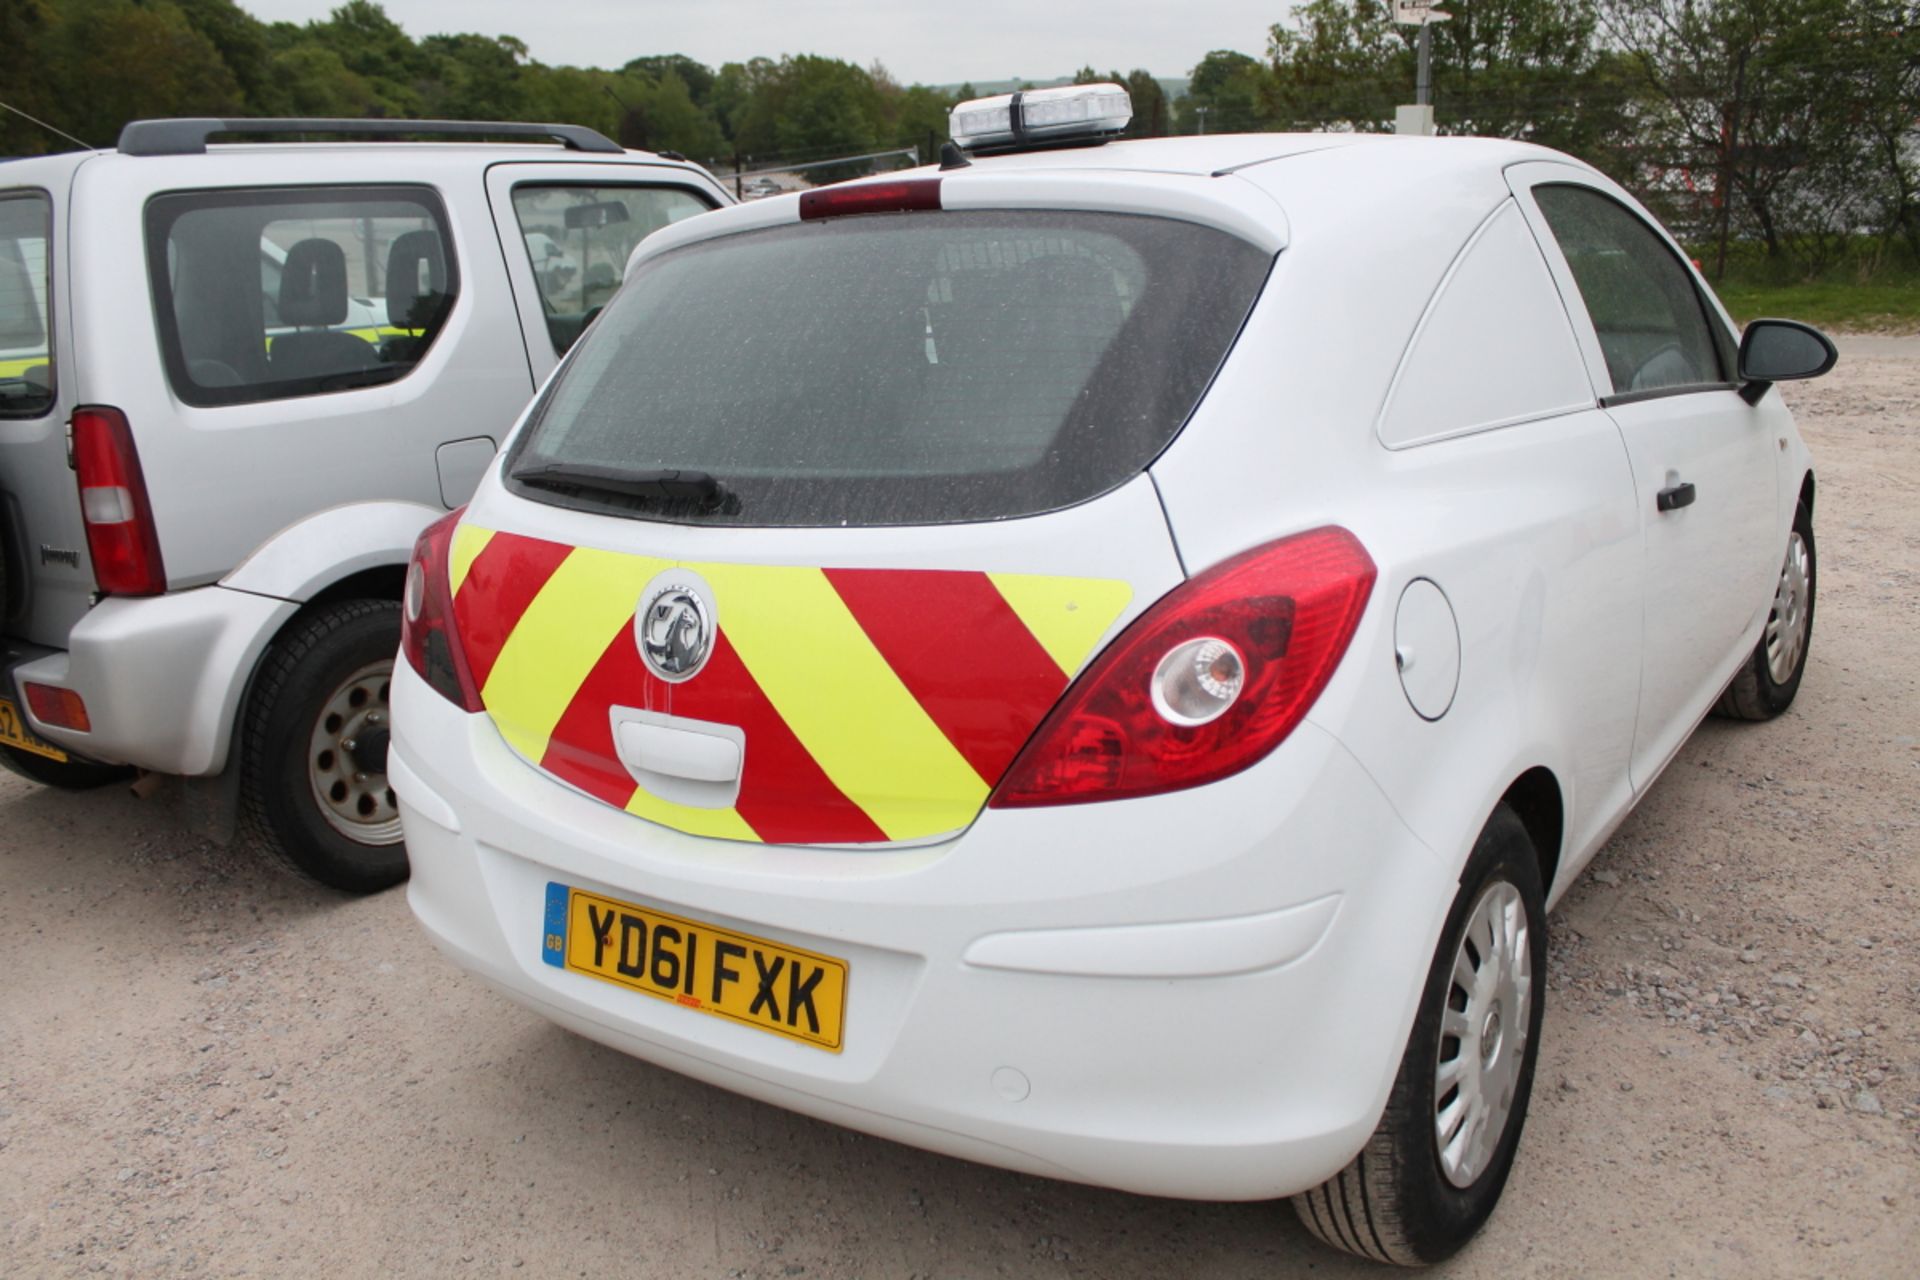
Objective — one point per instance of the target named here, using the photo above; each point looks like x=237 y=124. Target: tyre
x=1765 y=685
x=1435 y=1166
x=67 y=775
x=313 y=768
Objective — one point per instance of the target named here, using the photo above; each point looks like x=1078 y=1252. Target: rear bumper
x=161 y=677
x=1202 y=995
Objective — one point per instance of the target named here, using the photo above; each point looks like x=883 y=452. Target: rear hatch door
x=820 y=520
x=47 y=576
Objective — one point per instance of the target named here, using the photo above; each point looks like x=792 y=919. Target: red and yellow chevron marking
x=878 y=704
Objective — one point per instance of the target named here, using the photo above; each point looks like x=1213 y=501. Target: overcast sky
x=918 y=40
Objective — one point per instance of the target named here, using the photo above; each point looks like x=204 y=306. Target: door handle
x=1675 y=496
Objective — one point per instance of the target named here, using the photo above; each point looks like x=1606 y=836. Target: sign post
x=1419 y=13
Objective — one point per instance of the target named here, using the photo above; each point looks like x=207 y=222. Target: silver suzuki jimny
x=236 y=381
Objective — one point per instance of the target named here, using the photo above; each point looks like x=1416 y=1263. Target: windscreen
x=894 y=369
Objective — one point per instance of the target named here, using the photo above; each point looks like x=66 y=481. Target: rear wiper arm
x=655 y=484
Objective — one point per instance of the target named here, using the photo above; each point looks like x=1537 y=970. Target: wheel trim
x=356 y=802
x=1786 y=635
x=1484 y=1030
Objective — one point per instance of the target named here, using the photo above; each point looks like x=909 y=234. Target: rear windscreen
x=898 y=369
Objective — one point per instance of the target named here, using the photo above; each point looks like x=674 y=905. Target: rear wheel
x=1434 y=1168
x=314 y=790
x=1766 y=684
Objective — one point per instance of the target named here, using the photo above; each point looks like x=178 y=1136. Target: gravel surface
x=208 y=1070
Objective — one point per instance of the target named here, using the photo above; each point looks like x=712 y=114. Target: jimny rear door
x=819 y=521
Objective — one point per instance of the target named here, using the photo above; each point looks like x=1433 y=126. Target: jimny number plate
x=801 y=995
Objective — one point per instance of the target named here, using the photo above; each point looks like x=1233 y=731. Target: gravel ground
x=208 y=1070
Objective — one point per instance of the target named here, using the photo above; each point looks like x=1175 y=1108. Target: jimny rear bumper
x=1204 y=994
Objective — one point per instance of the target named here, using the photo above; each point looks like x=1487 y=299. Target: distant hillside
x=1173 y=86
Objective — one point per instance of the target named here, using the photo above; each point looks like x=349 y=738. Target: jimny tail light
x=428 y=638
x=1206 y=682
x=113 y=503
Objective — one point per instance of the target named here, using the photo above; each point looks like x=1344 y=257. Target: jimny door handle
x=1675 y=496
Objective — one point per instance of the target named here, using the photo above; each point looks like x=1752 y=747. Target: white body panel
x=1120 y=1093
x=310 y=554
x=162 y=676
x=1208 y=991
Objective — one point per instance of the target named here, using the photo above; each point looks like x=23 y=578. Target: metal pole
x=1423 y=82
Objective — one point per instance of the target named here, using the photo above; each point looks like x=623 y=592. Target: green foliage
x=1790 y=123
x=1226 y=93
x=160 y=65
x=1783 y=124
x=1528 y=69
x=1793 y=118
x=1871 y=284
x=808 y=106
x=26 y=32
x=210 y=57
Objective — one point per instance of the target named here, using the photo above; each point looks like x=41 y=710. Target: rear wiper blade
x=655 y=484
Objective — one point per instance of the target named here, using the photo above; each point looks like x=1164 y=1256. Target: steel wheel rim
x=1786 y=636
x=356 y=801
x=1484 y=1028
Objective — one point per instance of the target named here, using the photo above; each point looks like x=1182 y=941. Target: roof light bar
x=1071 y=114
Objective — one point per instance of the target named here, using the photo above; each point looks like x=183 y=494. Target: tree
x=375 y=48
x=27 y=32
x=471 y=77
x=311 y=80
x=808 y=107
x=242 y=42
x=160 y=66
x=1527 y=69
x=1797 y=113
x=1225 y=94
x=697 y=76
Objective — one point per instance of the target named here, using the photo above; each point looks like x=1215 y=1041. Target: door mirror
x=1783 y=350
x=592 y=217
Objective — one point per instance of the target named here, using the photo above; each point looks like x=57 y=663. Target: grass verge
x=1877 y=306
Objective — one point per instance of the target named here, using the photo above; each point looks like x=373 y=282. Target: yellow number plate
x=801 y=995
x=14 y=733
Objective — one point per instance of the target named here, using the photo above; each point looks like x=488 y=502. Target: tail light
x=1206 y=682
x=113 y=502
x=428 y=638
x=902 y=195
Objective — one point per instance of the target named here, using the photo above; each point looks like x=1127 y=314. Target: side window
x=270 y=294
x=26 y=318
x=578 y=239
x=1652 y=326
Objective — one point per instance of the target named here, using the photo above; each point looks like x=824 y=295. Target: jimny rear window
x=890 y=369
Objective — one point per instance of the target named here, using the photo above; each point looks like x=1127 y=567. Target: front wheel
x=1434 y=1168
x=314 y=790
x=1765 y=685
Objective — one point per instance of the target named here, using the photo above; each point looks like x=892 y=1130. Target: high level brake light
x=428 y=637
x=1070 y=114
x=1206 y=682
x=113 y=503
x=900 y=195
